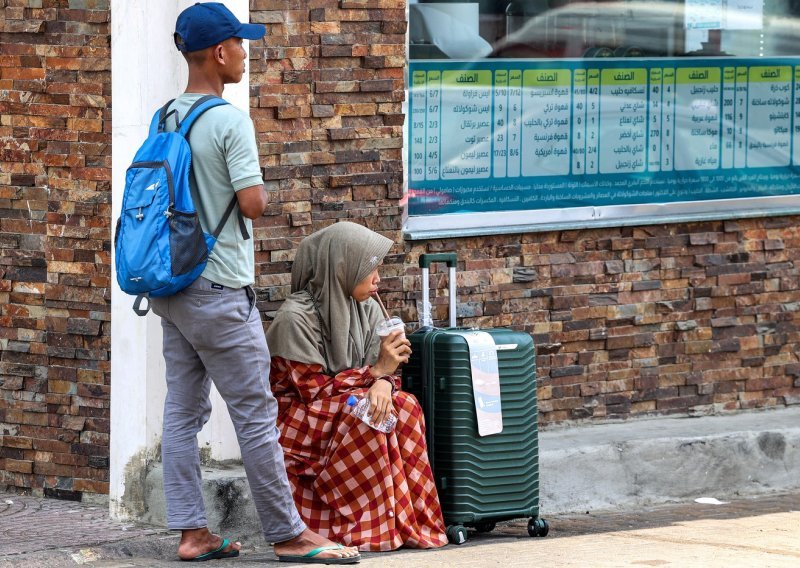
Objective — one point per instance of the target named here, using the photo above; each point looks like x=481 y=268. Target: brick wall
x=327 y=89
x=684 y=318
x=693 y=319
x=55 y=171
x=690 y=319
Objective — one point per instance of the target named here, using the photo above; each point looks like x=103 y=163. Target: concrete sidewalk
x=600 y=490
x=763 y=532
x=600 y=466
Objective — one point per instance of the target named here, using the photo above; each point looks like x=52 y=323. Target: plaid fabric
x=352 y=483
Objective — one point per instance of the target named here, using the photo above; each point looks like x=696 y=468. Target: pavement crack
x=720 y=545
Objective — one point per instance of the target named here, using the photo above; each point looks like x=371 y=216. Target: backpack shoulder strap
x=159 y=118
x=198 y=108
x=242 y=226
x=184 y=127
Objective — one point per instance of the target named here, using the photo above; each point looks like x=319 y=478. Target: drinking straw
x=383 y=309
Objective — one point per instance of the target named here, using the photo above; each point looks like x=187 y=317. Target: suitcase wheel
x=457 y=534
x=485 y=526
x=538 y=527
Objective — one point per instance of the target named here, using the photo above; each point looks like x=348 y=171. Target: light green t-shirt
x=224 y=160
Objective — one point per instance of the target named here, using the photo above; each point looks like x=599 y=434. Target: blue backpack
x=159 y=244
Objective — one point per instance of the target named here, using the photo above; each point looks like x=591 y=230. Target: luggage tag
x=485 y=381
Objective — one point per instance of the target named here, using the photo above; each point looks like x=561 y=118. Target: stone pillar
x=147 y=71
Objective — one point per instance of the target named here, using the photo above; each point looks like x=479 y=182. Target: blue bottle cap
x=352 y=400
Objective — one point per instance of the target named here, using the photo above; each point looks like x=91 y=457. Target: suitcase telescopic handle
x=450 y=259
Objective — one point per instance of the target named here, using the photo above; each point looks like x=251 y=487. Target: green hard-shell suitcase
x=481 y=480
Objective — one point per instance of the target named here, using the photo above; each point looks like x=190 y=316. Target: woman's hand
x=395 y=349
x=380 y=400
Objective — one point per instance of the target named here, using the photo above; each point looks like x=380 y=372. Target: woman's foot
x=307 y=541
x=197 y=542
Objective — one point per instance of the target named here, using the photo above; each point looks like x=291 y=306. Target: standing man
x=212 y=331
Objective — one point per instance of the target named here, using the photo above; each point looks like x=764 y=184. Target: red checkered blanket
x=352 y=483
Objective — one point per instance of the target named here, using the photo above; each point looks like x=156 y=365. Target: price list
x=698 y=100
x=545 y=116
x=623 y=120
x=468 y=109
x=505 y=122
x=769 y=117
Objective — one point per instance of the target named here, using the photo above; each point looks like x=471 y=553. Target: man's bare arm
x=252 y=201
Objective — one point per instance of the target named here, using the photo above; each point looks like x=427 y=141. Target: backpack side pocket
x=187 y=242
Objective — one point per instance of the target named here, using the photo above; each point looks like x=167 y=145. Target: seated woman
x=351 y=483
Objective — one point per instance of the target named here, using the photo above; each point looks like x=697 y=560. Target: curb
x=596 y=467
x=647 y=472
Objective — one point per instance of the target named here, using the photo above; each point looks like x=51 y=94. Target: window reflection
x=589 y=29
x=564 y=112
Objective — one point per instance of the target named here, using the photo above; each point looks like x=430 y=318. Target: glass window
x=561 y=28
x=529 y=114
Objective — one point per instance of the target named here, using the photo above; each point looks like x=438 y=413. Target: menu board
x=511 y=135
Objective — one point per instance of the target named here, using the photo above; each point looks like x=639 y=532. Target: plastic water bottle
x=360 y=409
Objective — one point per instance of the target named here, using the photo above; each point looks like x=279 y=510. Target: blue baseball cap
x=209 y=23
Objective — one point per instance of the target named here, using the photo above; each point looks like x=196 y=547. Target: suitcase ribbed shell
x=480 y=479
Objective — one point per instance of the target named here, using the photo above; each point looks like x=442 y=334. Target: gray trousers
x=214 y=334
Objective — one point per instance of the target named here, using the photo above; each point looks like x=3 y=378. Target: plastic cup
x=389 y=325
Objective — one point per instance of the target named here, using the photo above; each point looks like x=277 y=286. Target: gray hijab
x=320 y=323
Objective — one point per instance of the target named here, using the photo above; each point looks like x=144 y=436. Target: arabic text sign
x=520 y=135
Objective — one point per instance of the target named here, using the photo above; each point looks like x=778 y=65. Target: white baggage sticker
x=485 y=381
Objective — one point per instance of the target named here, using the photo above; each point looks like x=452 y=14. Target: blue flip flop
x=311 y=557
x=215 y=554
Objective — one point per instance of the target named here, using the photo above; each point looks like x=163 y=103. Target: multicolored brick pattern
x=687 y=318
x=697 y=318
x=55 y=195
x=327 y=90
